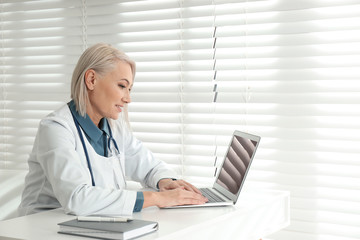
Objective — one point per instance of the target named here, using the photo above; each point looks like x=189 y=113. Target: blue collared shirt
x=97 y=137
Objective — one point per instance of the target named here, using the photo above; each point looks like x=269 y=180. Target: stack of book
x=108 y=229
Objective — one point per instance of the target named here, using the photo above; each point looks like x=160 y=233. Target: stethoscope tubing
x=85 y=150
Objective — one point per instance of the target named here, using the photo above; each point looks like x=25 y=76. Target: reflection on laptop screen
x=236 y=163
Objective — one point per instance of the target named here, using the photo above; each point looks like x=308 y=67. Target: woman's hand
x=169 y=184
x=173 y=193
x=173 y=197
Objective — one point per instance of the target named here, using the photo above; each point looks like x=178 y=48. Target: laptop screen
x=236 y=163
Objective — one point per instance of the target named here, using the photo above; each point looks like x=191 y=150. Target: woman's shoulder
x=57 y=129
x=60 y=116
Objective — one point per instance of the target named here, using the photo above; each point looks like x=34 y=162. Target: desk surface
x=255 y=215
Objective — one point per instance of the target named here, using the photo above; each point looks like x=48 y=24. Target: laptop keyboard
x=210 y=195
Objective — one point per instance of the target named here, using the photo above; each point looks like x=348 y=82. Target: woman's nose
x=127 y=98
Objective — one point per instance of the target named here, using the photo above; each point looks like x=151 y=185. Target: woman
x=84 y=151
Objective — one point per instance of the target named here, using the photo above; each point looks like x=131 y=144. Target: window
x=285 y=70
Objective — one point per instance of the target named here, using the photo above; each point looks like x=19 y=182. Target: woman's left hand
x=169 y=184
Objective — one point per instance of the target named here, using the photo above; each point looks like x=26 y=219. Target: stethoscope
x=111 y=139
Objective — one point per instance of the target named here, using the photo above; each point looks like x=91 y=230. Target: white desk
x=256 y=215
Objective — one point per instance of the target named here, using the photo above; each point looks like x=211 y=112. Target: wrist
x=150 y=199
x=165 y=181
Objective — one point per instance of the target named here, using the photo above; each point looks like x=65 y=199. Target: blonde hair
x=101 y=57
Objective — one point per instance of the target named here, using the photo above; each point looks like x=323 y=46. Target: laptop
x=231 y=176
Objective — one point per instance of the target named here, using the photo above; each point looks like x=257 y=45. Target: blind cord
x=3 y=90
x=182 y=91
x=215 y=91
x=247 y=92
x=84 y=24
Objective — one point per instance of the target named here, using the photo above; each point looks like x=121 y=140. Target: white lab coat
x=59 y=175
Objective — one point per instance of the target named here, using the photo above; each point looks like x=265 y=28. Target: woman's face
x=108 y=94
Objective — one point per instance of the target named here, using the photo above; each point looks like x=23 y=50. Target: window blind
x=41 y=41
x=285 y=70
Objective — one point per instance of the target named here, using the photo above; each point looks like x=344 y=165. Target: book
x=108 y=230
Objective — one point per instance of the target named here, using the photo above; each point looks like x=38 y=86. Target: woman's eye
x=122 y=86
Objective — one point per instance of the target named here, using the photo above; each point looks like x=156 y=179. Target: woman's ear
x=90 y=79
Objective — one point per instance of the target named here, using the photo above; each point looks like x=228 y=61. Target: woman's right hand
x=174 y=197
